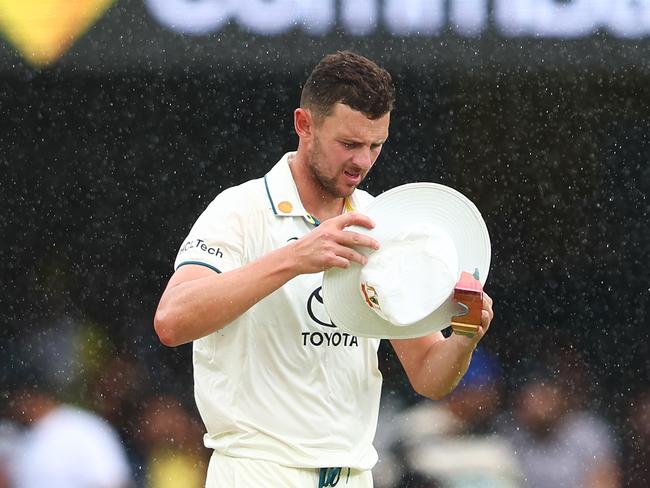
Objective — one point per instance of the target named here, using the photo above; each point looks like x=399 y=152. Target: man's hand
x=435 y=364
x=330 y=245
x=486 y=318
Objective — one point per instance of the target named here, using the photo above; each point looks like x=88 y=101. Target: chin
x=347 y=192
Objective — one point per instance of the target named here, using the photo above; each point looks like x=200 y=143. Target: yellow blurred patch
x=42 y=30
x=172 y=469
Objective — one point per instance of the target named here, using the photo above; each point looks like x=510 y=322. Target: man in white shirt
x=64 y=446
x=289 y=400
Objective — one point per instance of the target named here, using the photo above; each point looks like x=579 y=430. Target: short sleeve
x=216 y=239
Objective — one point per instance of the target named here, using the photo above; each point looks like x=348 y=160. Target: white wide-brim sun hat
x=428 y=235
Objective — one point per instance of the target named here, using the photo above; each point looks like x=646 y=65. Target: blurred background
x=120 y=120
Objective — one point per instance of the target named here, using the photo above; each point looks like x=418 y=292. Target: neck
x=318 y=202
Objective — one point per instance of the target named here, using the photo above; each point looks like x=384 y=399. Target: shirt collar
x=283 y=193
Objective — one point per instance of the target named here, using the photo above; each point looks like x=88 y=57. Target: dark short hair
x=348 y=78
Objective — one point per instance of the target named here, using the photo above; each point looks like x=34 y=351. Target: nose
x=363 y=158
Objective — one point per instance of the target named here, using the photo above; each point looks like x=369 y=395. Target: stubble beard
x=327 y=184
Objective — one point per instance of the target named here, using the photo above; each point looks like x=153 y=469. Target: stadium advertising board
x=106 y=34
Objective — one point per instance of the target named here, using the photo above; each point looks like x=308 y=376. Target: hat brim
x=406 y=207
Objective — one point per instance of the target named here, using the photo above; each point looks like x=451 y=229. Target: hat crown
x=353 y=303
x=411 y=275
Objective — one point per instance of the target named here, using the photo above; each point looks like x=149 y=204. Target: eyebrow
x=351 y=140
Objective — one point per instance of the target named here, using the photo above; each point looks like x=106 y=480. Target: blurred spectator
x=115 y=392
x=9 y=433
x=637 y=465
x=64 y=446
x=116 y=388
x=172 y=442
x=560 y=442
x=451 y=443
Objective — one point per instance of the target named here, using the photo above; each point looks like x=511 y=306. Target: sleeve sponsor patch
x=199 y=245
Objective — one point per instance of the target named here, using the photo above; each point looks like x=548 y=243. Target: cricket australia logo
x=331 y=337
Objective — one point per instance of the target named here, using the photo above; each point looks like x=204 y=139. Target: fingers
x=485 y=320
x=345 y=255
x=487 y=313
x=487 y=305
x=353 y=218
x=337 y=262
x=349 y=238
x=487 y=301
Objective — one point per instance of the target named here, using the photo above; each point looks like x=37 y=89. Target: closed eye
x=353 y=145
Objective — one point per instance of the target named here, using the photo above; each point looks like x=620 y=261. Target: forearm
x=198 y=302
x=435 y=364
x=444 y=364
x=195 y=308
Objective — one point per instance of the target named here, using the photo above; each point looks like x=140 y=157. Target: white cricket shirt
x=281 y=382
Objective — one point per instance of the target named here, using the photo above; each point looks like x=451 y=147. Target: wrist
x=289 y=260
x=465 y=342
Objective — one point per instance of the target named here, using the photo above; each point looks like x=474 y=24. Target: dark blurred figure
x=452 y=443
x=559 y=440
x=637 y=455
x=9 y=435
x=171 y=439
x=116 y=389
x=64 y=446
x=116 y=392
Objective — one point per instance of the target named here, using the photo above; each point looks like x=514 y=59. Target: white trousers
x=230 y=472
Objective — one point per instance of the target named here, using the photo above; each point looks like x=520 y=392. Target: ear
x=303 y=123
